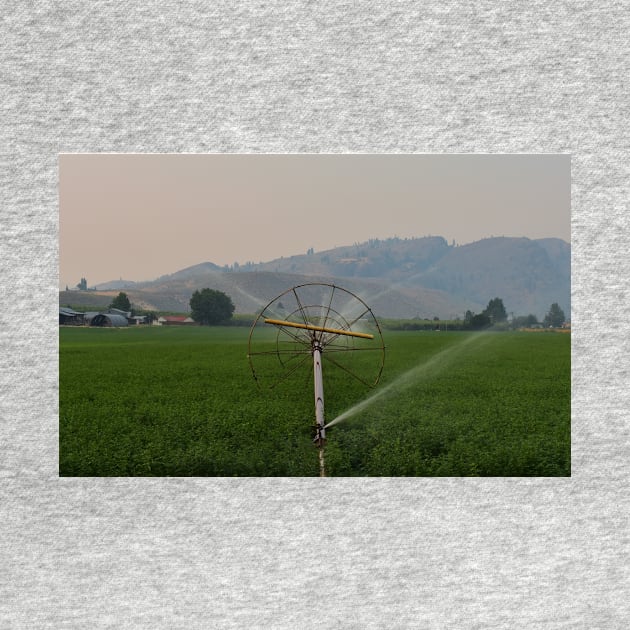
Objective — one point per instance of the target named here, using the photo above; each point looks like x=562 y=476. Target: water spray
x=431 y=366
x=316 y=331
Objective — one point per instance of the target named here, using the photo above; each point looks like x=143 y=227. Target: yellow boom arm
x=334 y=331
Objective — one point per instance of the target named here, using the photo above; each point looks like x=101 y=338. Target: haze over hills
x=419 y=277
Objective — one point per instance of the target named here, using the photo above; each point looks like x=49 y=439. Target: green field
x=182 y=401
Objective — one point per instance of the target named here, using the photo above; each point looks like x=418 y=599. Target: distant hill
x=391 y=259
x=113 y=285
x=191 y=272
x=528 y=275
x=252 y=290
x=421 y=277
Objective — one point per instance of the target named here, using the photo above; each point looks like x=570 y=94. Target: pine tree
x=554 y=317
x=121 y=302
x=495 y=311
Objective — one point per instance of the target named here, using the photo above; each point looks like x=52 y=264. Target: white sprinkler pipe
x=317 y=376
x=319 y=405
x=319 y=391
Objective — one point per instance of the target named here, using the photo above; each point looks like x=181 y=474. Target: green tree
x=554 y=317
x=525 y=321
x=82 y=286
x=210 y=306
x=121 y=302
x=480 y=321
x=476 y=322
x=495 y=311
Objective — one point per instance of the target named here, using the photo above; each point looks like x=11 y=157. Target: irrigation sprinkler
x=321 y=322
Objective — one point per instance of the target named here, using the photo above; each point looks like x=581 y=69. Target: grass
x=182 y=402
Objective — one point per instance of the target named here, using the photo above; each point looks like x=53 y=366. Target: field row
x=182 y=402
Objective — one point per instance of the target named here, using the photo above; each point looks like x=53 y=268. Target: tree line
x=212 y=307
x=495 y=315
x=208 y=307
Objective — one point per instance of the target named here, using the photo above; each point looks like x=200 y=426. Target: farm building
x=110 y=320
x=88 y=316
x=117 y=311
x=67 y=316
x=176 y=320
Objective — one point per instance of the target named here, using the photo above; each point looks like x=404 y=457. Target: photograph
x=314 y=315
x=341 y=338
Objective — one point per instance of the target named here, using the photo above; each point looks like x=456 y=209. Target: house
x=176 y=320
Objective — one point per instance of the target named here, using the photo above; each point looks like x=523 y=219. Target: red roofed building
x=176 y=320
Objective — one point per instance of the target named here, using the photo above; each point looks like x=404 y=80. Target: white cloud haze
x=140 y=216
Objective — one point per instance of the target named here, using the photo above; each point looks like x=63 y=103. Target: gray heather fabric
x=317 y=77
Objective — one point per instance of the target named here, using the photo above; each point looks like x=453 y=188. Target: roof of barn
x=115 y=320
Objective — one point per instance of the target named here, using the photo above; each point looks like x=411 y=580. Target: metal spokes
x=334 y=320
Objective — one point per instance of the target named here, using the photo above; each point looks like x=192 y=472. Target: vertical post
x=319 y=404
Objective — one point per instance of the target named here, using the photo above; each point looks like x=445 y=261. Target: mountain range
x=405 y=278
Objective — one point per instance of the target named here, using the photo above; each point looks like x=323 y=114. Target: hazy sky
x=139 y=216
